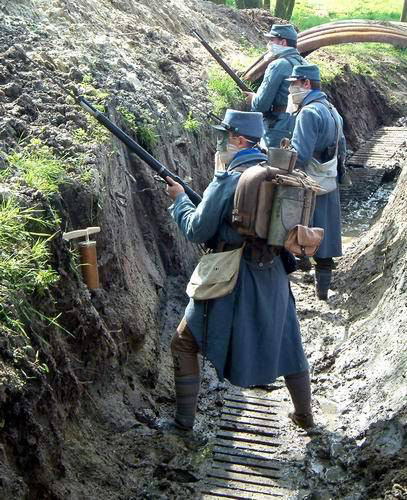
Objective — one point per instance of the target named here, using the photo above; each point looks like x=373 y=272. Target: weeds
x=223 y=91
x=39 y=167
x=95 y=132
x=144 y=127
x=25 y=271
x=191 y=124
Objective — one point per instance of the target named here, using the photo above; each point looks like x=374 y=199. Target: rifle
x=239 y=82
x=152 y=162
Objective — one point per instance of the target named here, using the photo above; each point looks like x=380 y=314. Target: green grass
x=144 y=127
x=361 y=58
x=223 y=91
x=309 y=13
x=39 y=167
x=191 y=124
x=25 y=271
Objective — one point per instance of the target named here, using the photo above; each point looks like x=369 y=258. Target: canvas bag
x=216 y=275
x=325 y=173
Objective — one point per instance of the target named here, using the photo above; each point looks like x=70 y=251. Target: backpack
x=273 y=199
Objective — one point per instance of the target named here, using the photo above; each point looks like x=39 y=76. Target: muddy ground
x=89 y=429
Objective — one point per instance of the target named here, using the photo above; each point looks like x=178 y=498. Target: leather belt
x=255 y=251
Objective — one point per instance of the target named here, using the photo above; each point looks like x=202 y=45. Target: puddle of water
x=358 y=216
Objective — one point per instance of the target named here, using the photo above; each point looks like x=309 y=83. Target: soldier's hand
x=173 y=188
x=249 y=97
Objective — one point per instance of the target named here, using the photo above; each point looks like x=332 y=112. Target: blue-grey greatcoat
x=315 y=131
x=253 y=333
x=273 y=92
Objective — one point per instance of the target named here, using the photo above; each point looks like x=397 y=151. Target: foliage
x=25 y=271
x=95 y=132
x=361 y=58
x=191 y=124
x=223 y=91
x=144 y=127
x=309 y=13
x=39 y=167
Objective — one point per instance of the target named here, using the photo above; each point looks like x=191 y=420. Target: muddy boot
x=299 y=387
x=192 y=439
x=304 y=263
x=305 y=421
x=322 y=283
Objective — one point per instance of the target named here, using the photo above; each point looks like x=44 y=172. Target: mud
x=90 y=428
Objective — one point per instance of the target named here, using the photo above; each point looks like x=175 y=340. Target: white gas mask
x=298 y=94
x=275 y=48
x=224 y=157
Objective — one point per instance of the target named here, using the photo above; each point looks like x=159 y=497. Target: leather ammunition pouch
x=304 y=241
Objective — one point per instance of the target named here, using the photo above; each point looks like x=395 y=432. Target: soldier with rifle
x=252 y=335
x=272 y=96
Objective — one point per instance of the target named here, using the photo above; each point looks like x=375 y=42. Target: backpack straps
x=329 y=106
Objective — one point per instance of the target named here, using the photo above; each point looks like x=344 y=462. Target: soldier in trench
x=321 y=146
x=251 y=336
x=272 y=96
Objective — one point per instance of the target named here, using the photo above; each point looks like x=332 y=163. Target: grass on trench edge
x=25 y=272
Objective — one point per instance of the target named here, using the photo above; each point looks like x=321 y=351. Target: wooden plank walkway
x=244 y=455
x=380 y=148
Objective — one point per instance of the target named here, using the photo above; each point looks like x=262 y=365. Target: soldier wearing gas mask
x=272 y=96
x=320 y=143
x=252 y=335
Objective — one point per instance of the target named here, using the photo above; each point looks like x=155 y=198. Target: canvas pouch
x=216 y=275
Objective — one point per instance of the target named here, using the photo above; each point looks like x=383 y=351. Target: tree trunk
x=403 y=17
x=252 y=4
x=284 y=9
x=266 y=4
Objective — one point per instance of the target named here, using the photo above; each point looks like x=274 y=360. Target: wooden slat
x=252 y=400
x=252 y=408
x=239 y=481
x=268 y=417
x=247 y=438
x=260 y=465
x=248 y=428
x=263 y=422
x=247 y=469
x=225 y=492
x=228 y=449
x=252 y=447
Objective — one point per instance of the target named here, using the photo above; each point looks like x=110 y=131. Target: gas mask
x=275 y=48
x=225 y=151
x=298 y=94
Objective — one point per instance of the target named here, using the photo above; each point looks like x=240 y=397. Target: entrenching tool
x=88 y=257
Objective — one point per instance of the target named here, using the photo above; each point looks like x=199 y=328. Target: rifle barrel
x=158 y=167
x=239 y=82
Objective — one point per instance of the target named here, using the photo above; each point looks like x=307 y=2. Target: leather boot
x=322 y=283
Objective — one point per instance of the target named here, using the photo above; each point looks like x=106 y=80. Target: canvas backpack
x=271 y=199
